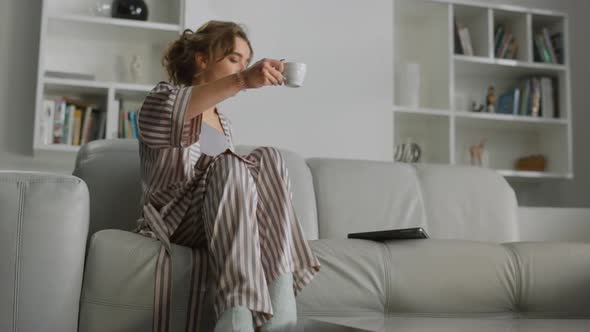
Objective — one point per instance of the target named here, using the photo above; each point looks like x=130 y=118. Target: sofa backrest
x=332 y=197
x=470 y=203
x=450 y=202
x=362 y=196
x=110 y=168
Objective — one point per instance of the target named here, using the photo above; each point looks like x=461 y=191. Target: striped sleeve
x=162 y=118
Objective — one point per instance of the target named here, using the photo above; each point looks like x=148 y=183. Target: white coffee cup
x=294 y=73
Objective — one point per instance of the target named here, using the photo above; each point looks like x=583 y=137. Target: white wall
x=342 y=111
x=344 y=108
x=19 y=46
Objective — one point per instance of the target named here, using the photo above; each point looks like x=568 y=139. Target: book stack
x=505 y=44
x=70 y=121
x=548 y=47
x=128 y=124
x=128 y=110
x=535 y=97
x=462 y=40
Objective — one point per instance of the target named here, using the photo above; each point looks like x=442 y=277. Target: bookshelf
x=73 y=39
x=502 y=52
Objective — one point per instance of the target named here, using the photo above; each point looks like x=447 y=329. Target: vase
x=136 y=68
x=130 y=9
x=409 y=85
x=100 y=7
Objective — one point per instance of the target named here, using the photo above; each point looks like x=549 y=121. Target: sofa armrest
x=43 y=230
x=554 y=224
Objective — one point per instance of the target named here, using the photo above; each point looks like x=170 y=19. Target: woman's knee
x=227 y=164
x=273 y=153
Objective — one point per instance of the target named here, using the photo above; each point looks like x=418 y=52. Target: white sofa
x=473 y=275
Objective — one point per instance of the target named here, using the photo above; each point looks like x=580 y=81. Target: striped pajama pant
x=236 y=214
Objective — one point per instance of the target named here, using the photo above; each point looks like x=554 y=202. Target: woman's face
x=234 y=62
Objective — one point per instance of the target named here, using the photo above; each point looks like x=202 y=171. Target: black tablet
x=394 y=234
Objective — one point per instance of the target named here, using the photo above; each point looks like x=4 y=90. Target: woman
x=234 y=211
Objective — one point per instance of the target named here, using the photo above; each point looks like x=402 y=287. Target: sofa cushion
x=358 y=278
x=43 y=229
x=118 y=290
x=351 y=280
x=362 y=196
x=554 y=278
x=450 y=277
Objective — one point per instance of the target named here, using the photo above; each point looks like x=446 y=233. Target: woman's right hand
x=264 y=72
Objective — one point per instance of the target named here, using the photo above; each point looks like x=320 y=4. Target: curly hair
x=211 y=37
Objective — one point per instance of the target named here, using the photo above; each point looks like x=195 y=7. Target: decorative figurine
x=491 y=100
x=476 y=153
x=476 y=107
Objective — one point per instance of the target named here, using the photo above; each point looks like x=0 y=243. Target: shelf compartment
x=516 y=23
x=431 y=111
x=554 y=25
x=507 y=141
x=481 y=66
x=73 y=47
x=158 y=11
x=428 y=23
x=80 y=27
x=474 y=76
x=477 y=21
x=511 y=118
x=115 y=22
x=430 y=132
x=57 y=147
x=534 y=175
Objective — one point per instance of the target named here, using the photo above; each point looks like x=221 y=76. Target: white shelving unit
x=443 y=124
x=72 y=39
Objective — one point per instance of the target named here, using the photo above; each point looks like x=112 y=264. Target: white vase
x=409 y=85
x=136 y=68
x=100 y=7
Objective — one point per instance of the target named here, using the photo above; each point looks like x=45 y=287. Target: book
x=46 y=123
x=525 y=88
x=498 y=37
x=59 y=121
x=133 y=123
x=536 y=97
x=457 y=38
x=101 y=125
x=557 y=41
x=128 y=128
x=549 y=44
x=113 y=120
x=466 y=41
x=69 y=127
x=542 y=52
x=516 y=101
x=504 y=45
x=77 y=126
x=508 y=102
x=547 y=101
x=87 y=124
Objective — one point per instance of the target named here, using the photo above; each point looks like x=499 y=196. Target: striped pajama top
x=169 y=145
